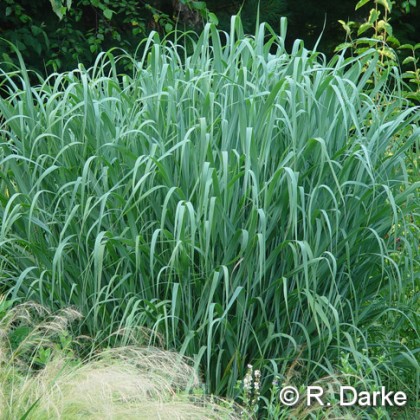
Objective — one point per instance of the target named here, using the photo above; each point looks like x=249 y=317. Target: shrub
x=57 y=34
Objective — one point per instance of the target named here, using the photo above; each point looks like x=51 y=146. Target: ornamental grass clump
x=241 y=201
x=41 y=376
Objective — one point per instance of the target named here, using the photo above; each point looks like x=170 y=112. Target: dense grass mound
x=41 y=377
x=248 y=204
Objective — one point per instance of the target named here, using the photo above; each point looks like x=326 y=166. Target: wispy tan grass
x=120 y=383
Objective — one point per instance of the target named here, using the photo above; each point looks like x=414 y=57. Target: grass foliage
x=247 y=204
x=41 y=377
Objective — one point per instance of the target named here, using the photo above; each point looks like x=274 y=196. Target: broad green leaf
x=361 y=3
x=213 y=19
x=108 y=13
x=387 y=52
x=384 y=26
x=57 y=8
x=406 y=47
x=345 y=26
x=394 y=42
x=343 y=46
x=385 y=3
x=409 y=60
x=198 y=5
x=373 y=16
x=364 y=27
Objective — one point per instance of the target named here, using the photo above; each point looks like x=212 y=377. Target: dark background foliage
x=58 y=34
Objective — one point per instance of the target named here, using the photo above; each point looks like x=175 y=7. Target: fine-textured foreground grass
x=247 y=204
x=41 y=377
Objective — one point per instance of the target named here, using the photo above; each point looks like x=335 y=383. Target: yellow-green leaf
x=387 y=52
x=408 y=60
x=342 y=46
x=393 y=41
x=385 y=3
x=56 y=6
x=384 y=26
x=361 y=3
x=345 y=27
x=213 y=19
x=108 y=13
x=364 y=27
x=373 y=15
